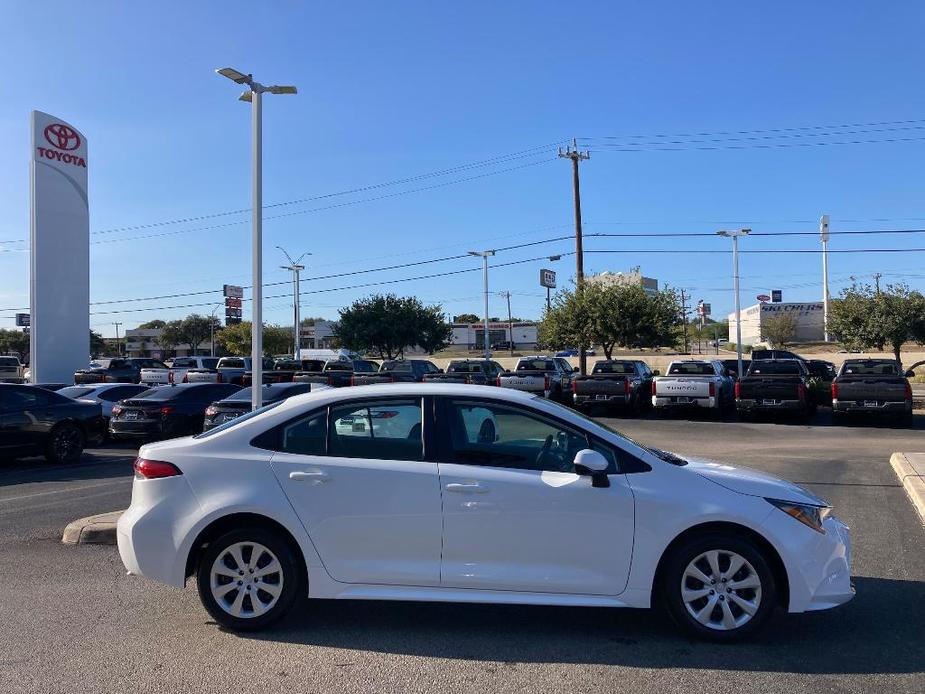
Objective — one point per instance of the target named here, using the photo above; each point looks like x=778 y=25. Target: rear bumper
x=603 y=398
x=682 y=402
x=750 y=405
x=143 y=428
x=901 y=407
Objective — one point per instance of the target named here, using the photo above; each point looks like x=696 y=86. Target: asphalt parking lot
x=74 y=622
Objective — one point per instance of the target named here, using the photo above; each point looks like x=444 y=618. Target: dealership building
x=809 y=321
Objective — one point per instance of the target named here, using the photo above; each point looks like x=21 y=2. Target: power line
x=779 y=145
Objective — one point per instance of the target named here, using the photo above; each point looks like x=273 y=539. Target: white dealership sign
x=60 y=282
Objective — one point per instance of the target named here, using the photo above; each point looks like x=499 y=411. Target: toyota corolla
x=471 y=494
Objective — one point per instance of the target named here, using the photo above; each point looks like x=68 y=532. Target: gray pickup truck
x=693 y=384
x=397 y=371
x=550 y=377
x=479 y=372
x=623 y=383
x=872 y=386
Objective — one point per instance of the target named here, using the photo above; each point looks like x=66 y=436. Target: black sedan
x=35 y=421
x=239 y=403
x=166 y=412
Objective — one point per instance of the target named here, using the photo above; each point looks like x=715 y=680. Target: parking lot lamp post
x=734 y=235
x=212 y=330
x=254 y=94
x=295 y=268
x=485 y=255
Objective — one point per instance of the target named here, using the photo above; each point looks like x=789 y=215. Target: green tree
x=388 y=324
x=152 y=324
x=276 y=340
x=171 y=336
x=14 y=342
x=236 y=339
x=196 y=329
x=779 y=330
x=97 y=344
x=467 y=318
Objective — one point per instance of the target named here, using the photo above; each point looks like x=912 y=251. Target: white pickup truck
x=688 y=384
x=550 y=377
x=177 y=372
x=11 y=370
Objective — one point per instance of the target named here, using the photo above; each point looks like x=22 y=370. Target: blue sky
x=390 y=91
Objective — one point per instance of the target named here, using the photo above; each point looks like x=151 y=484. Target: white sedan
x=540 y=506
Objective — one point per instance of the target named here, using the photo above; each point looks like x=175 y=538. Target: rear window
x=189 y=364
x=396 y=366
x=9 y=361
x=614 y=368
x=536 y=365
x=74 y=391
x=464 y=367
x=691 y=368
x=338 y=366
x=230 y=363
x=313 y=364
x=871 y=368
x=775 y=368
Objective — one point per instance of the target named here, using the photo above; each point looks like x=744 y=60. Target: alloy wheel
x=246 y=579
x=721 y=590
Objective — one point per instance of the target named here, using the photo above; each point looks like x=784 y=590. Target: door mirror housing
x=590 y=460
x=656 y=372
x=910 y=373
x=576 y=369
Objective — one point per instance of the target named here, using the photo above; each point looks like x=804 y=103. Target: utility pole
x=484 y=255
x=684 y=318
x=510 y=321
x=295 y=269
x=734 y=235
x=824 y=235
x=118 y=344
x=877 y=276
x=577 y=156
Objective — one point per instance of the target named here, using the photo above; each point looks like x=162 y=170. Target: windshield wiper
x=668 y=457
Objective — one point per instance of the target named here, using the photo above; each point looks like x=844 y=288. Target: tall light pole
x=212 y=330
x=254 y=94
x=734 y=235
x=485 y=255
x=118 y=344
x=295 y=269
x=824 y=235
x=577 y=156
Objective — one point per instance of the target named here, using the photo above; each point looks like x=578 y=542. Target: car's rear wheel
x=65 y=444
x=719 y=587
x=248 y=579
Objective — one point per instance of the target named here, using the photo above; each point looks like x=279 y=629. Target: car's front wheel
x=65 y=444
x=248 y=579
x=719 y=587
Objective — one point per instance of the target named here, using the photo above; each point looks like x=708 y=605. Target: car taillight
x=908 y=391
x=468 y=380
x=574 y=386
x=654 y=388
x=801 y=391
x=167 y=410
x=353 y=380
x=546 y=382
x=170 y=377
x=331 y=380
x=712 y=390
x=738 y=390
x=155 y=469
x=116 y=410
x=186 y=378
x=627 y=388
x=834 y=391
x=103 y=378
x=219 y=378
x=497 y=380
x=211 y=411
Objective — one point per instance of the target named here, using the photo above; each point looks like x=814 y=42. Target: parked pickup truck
x=776 y=385
x=479 y=372
x=550 y=377
x=625 y=383
x=872 y=386
x=336 y=374
x=115 y=370
x=227 y=370
x=11 y=370
x=397 y=371
x=689 y=384
x=176 y=372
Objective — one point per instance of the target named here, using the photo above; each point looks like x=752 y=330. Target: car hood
x=745 y=480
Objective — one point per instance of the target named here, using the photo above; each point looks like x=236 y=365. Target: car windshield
x=9 y=361
x=75 y=392
x=774 y=368
x=238 y=420
x=396 y=366
x=536 y=365
x=163 y=393
x=691 y=368
x=620 y=367
x=312 y=364
x=871 y=368
x=464 y=367
x=231 y=363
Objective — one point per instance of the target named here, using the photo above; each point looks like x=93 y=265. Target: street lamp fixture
x=734 y=235
x=295 y=268
x=254 y=95
x=484 y=255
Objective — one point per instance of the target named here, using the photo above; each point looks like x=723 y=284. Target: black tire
x=290 y=577
x=674 y=574
x=65 y=443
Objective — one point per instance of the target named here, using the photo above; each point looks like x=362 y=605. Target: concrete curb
x=94 y=530
x=910 y=469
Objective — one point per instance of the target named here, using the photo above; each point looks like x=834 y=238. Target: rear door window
x=379 y=430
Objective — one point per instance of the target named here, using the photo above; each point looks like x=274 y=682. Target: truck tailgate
x=689 y=387
x=877 y=389
x=599 y=385
x=779 y=388
x=533 y=384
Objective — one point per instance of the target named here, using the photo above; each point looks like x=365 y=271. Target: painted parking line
x=65 y=490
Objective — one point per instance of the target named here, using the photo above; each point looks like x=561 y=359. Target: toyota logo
x=62 y=136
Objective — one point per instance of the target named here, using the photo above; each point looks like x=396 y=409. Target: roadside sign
x=703 y=309
x=776 y=296
x=763 y=297
x=548 y=279
x=23 y=320
x=233 y=291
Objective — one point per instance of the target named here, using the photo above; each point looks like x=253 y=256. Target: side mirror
x=656 y=373
x=591 y=462
x=576 y=369
x=910 y=373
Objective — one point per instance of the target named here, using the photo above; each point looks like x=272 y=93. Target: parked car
x=823 y=373
x=776 y=385
x=623 y=383
x=872 y=387
x=288 y=503
x=176 y=371
x=732 y=367
x=693 y=384
x=575 y=353
x=11 y=369
x=480 y=372
x=115 y=370
x=238 y=403
x=166 y=412
x=337 y=374
x=503 y=346
x=227 y=370
x=547 y=376
x=53 y=387
x=397 y=371
x=35 y=421
x=104 y=395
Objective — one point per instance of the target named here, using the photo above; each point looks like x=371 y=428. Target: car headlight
x=807 y=514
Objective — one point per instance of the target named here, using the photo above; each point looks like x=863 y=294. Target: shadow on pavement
x=879 y=632
x=96 y=463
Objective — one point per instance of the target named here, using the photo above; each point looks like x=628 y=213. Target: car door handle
x=316 y=476
x=474 y=488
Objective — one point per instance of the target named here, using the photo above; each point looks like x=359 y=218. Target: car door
x=28 y=414
x=357 y=475
x=516 y=516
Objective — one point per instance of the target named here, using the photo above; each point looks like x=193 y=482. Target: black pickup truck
x=115 y=370
x=776 y=385
x=398 y=371
x=479 y=372
x=872 y=386
x=337 y=374
x=624 y=383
